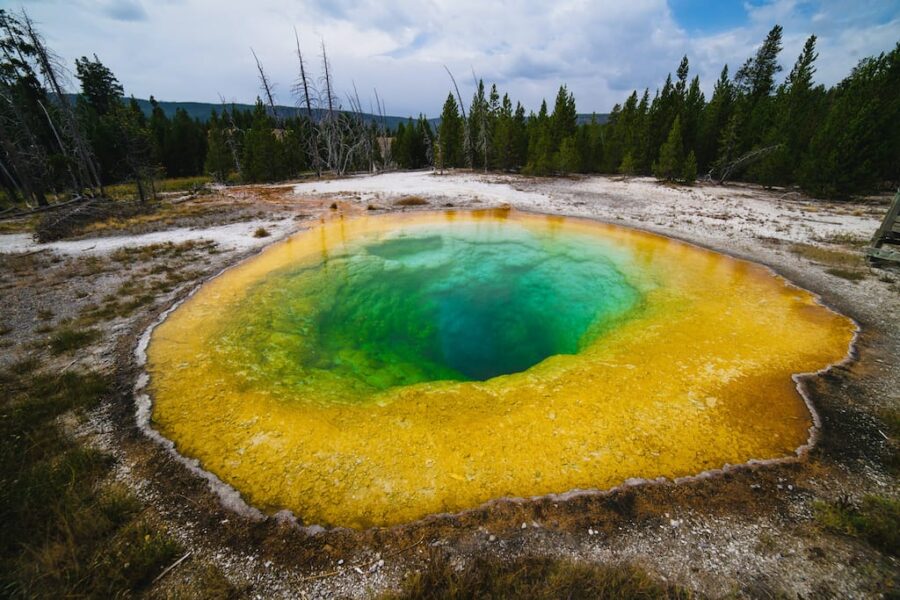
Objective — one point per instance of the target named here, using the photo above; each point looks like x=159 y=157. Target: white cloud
x=197 y=49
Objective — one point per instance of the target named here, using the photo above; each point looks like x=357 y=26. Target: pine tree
x=478 y=115
x=519 y=138
x=218 y=157
x=755 y=81
x=714 y=119
x=99 y=86
x=564 y=118
x=660 y=116
x=568 y=158
x=628 y=167
x=692 y=114
x=794 y=119
x=671 y=155
x=504 y=143
x=540 y=143
x=183 y=156
x=727 y=146
x=857 y=145
x=262 y=160
x=689 y=173
x=756 y=77
x=450 y=134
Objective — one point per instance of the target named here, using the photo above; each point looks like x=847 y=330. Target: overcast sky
x=199 y=49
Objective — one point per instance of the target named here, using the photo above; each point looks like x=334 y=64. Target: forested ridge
x=758 y=125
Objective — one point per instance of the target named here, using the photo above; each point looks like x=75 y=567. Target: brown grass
x=853 y=275
x=411 y=201
x=836 y=258
x=534 y=578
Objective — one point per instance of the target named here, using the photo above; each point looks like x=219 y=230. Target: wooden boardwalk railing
x=886 y=242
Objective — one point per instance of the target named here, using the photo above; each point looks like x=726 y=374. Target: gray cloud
x=125 y=10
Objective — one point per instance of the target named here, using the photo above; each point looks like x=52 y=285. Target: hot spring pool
x=374 y=370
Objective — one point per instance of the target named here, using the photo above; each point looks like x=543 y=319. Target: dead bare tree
x=726 y=170
x=305 y=99
x=267 y=89
x=330 y=98
x=365 y=146
x=24 y=154
x=53 y=73
x=230 y=133
x=382 y=132
x=332 y=125
x=76 y=185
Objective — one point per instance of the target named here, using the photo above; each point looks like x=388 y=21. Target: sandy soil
x=749 y=533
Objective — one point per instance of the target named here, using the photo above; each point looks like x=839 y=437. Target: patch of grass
x=113 y=307
x=65 y=535
x=203 y=582
x=20 y=225
x=846 y=239
x=836 y=258
x=848 y=274
x=124 y=191
x=45 y=314
x=411 y=201
x=533 y=578
x=876 y=519
x=66 y=340
x=131 y=254
x=4 y=329
x=261 y=232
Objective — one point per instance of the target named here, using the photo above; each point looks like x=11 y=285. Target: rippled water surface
x=379 y=369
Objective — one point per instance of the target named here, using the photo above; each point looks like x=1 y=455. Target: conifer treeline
x=756 y=126
x=832 y=142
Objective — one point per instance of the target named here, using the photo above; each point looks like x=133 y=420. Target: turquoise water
x=440 y=302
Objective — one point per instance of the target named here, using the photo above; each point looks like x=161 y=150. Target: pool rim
x=232 y=499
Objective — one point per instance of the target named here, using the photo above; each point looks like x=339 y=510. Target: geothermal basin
x=374 y=370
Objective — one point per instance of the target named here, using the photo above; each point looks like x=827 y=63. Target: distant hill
x=202 y=110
